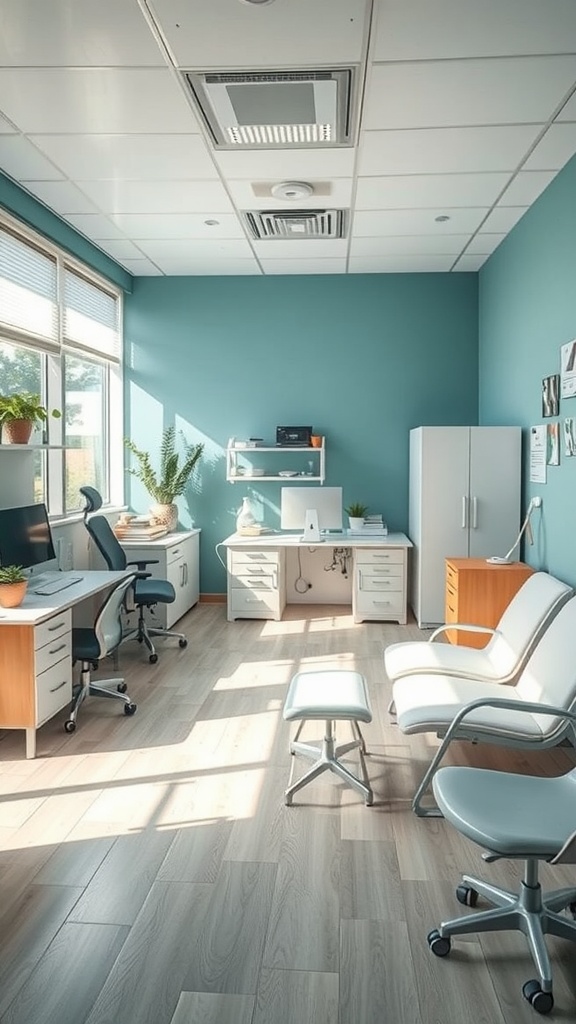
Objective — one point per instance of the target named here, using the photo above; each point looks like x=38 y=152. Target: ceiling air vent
x=276 y=110
x=268 y=224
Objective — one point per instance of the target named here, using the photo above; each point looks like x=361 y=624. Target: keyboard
x=57 y=585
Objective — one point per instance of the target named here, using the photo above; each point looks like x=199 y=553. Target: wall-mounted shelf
x=288 y=465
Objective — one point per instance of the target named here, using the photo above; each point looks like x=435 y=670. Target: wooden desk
x=478 y=592
x=36 y=653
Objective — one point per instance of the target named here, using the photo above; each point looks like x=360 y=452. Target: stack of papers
x=139 y=528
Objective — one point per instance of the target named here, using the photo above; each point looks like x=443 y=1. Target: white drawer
x=58 y=648
x=46 y=632
x=175 y=553
x=380 y=606
x=53 y=690
x=257 y=582
x=394 y=570
x=240 y=559
x=370 y=582
x=379 y=556
x=254 y=604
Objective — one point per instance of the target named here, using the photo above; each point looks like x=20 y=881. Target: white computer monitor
x=311 y=509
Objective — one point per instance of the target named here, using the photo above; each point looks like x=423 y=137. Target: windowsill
x=77 y=517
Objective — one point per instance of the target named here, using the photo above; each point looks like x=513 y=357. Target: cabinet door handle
x=57 y=625
x=185 y=572
x=464 y=512
x=59 y=687
x=54 y=650
x=474 y=513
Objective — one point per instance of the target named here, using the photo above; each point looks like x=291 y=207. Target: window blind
x=91 y=317
x=28 y=290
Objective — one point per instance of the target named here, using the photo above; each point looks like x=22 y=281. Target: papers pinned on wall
x=538 y=454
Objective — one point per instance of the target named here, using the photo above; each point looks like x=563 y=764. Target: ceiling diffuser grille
x=276 y=110
x=269 y=224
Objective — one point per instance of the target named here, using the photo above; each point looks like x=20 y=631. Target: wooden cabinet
x=379 y=590
x=478 y=592
x=179 y=563
x=35 y=674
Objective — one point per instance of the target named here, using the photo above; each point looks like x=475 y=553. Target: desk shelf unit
x=241 y=461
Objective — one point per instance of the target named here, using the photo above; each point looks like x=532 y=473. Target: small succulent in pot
x=13 y=585
x=356 y=510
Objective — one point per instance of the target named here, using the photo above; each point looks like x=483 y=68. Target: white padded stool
x=338 y=695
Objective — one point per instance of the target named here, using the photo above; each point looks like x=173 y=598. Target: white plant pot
x=356 y=522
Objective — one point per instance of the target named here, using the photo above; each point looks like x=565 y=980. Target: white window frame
x=114 y=377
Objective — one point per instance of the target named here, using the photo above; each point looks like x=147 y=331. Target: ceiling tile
x=128 y=156
x=225 y=265
x=308 y=248
x=410 y=245
x=337 y=192
x=289 y=165
x=201 y=250
x=95 y=100
x=304 y=266
x=400 y=264
x=65 y=33
x=177 y=225
x=466 y=28
x=94 y=225
x=207 y=35
x=158 y=196
x=468 y=263
x=503 y=218
x=141 y=268
x=445 y=150
x=484 y=244
x=6 y=127
x=525 y=188
x=436 y=94
x=20 y=159
x=555 y=149
x=121 y=250
x=426 y=191
x=568 y=112
x=418 y=222
x=62 y=196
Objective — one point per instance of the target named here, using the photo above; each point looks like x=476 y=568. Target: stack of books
x=373 y=526
x=139 y=528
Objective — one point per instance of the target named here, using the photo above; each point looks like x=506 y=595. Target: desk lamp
x=525 y=528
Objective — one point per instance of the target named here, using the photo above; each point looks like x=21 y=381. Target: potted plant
x=13 y=584
x=170 y=480
x=356 y=512
x=20 y=413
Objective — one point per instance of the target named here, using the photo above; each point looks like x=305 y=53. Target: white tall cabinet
x=464 y=503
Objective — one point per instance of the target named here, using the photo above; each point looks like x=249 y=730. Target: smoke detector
x=292 y=190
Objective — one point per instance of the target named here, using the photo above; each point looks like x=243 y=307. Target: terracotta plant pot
x=12 y=594
x=316 y=440
x=17 y=431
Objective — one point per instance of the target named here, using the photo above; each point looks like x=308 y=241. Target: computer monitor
x=25 y=536
x=311 y=509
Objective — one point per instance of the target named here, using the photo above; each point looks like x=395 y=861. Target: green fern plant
x=170 y=480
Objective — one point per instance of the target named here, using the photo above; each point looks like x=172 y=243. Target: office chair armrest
x=143 y=562
x=460 y=625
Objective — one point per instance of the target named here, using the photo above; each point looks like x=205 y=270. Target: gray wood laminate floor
x=150 y=872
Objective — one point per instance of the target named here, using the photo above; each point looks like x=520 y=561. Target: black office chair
x=90 y=645
x=148 y=591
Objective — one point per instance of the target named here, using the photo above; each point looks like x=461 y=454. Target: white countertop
x=342 y=540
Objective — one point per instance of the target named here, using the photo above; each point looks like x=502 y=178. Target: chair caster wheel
x=153 y=659
x=70 y=725
x=540 y=1001
x=121 y=687
x=130 y=709
x=467 y=895
x=183 y=642
x=439 y=945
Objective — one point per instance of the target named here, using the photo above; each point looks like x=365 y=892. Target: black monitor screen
x=25 y=536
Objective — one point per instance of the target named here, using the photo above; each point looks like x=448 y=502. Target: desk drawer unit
x=478 y=592
x=379 y=590
x=255 y=584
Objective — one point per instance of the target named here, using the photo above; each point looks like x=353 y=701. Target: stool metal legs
x=326 y=758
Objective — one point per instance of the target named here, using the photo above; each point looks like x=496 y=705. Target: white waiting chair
x=459 y=708
x=512 y=641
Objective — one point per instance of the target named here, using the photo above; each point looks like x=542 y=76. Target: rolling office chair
x=90 y=645
x=148 y=591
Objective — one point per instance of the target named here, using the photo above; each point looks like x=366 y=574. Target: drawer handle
x=253 y=600
x=59 y=687
x=176 y=551
x=385 y=603
x=54 y=650
x=56 y=625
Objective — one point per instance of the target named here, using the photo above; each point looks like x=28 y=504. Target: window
x=61 y=338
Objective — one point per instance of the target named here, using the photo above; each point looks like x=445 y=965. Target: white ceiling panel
x=400 y=264
x=452 y=93
x=80 y=100
x=158 y=196
x=468 y=112
x=446 y=150
x=61 y=32
x=177 y=225
x=555 y=149
x=418 y=222
x=409 y=245
x=420 y=30
x=20 y=159
x=426 y=191
x=162 y=157
x=304 y=266
x=249 y=195
x=207 y=35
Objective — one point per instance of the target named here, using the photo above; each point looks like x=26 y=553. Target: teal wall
x=527 y=310
x=361 y=358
